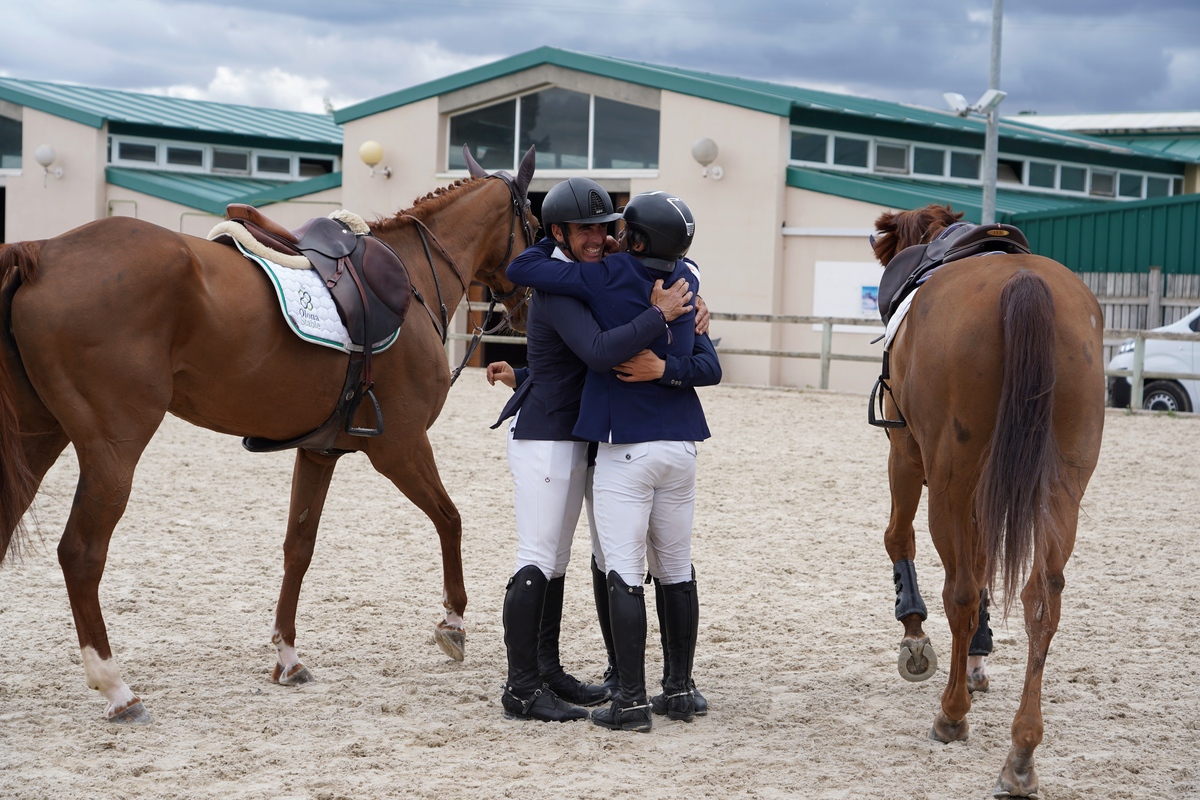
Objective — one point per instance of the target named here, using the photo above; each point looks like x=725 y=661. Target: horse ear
x=525 y=172
x=473 y=165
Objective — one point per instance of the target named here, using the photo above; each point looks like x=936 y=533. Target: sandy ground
x=797 y=649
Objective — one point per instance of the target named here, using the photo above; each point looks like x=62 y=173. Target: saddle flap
x=329 y=237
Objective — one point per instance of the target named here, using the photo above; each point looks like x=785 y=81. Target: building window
x=569 y=131
x=1103 y=184
x=137 y=151
x=929 y=161
x=1157 y=187
x=1009 y=171
x=626 y=136
x=273 y=165
x=1129 y=185
x=850 y=152
x=185 y=156
x=965 y=165
x=812 y=147
x=10 y=143
x=1072 y=179
x=556 y=122
x=891 y=158
x=489 y=132
x=1042 y=175
x=315 y=167
x=231 y=161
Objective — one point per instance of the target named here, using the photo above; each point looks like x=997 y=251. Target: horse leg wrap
x=981 y=644
x=908 y=596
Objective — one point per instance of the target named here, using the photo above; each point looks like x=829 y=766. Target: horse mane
x=424 y=206
x=896 y=231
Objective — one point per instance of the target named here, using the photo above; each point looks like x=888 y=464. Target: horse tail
x=17 y=484
x=1021 y=466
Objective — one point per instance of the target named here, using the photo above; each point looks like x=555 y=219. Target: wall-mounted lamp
x=45 y=155
x=371 y=154
x=705 y=152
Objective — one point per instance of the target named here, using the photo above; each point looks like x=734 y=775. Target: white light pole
x=988 y=106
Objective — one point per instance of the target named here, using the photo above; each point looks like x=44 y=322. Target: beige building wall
x=37 y=205
x=738 y=244
x=410 y=137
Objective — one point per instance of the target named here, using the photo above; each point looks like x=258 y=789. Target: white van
x=1162 y=355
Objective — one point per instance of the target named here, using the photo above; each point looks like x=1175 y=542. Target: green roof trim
x=211 y=193
x=174 y=116
x=905 y=193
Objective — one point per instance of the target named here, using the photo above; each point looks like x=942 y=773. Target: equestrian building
x=785 y=182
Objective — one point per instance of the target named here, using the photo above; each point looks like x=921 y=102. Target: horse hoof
x=945 y=730
x=453 y=641
x=1017 y=778
x=296 y=676
x=978 y=682
x=134 y=713
x=918 y=665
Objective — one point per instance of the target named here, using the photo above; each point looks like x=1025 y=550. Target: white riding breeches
x=644 y=501
x=548 y=481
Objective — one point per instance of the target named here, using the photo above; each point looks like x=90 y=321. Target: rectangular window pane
x=929 y=161
x=313 y=167
x=1130 y=185
x=1157 y=187
x=891 y=158
x=489 y=132
x=1041 y=174
x=1073 y=179
x=276 y=165
x=849 y=152
x=625 y=136
x=10 y=143
x=132 y=151
x=555 y=121
x=231 y=161
x=185 y=156
x=1104 y=184
x=965 y=165
x=809 y=147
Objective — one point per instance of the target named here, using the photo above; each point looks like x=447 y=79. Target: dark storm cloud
x=1058 y=57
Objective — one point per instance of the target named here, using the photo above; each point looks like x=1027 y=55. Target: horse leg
x=953 y=532
x=105 y=476
x=917 y=660
x=1041 y=599
x=310 y=486
x=412 y=469
x=981 y=648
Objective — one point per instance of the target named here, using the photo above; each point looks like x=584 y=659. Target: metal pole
x=992 y=140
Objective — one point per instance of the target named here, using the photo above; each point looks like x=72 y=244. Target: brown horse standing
x=109 y=327
x=997 y=370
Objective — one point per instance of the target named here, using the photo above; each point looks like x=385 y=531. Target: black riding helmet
x=664 y=223
x=578 y=200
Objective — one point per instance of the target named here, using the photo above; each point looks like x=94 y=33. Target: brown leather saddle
x=371 y=291
x=909 y=268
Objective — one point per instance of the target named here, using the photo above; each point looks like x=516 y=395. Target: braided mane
x=422 y=207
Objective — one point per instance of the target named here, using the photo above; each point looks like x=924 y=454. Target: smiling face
x=584 y=242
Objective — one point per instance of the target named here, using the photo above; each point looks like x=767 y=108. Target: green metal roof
x=1180 y=146
x=905 y=193
x=772 y=98
x=211 y=193
x=172 y=116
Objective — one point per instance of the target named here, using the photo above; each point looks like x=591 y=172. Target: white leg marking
x=102 y=674
x=287 y=653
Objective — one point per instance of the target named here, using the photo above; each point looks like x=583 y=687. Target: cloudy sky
x=1058 y=56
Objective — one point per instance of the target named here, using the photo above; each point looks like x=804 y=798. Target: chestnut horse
x=997 y=371
x=109 y=327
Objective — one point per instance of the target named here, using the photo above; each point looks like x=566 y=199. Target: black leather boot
x=525 y=695
x=681 y=614
x=659 y=701
x=629 y=710
x=600 y=592
x=549 y=668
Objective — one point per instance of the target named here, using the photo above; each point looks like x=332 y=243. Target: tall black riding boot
x=525 y=695
x=549 y=667
x=600 y=592
x=629 y=710
x=681 y=613
x=659 y=701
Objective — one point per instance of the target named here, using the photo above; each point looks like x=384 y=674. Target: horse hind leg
x=411 y=467
x=311 y=476
x=981 y=648
x=917 y=660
